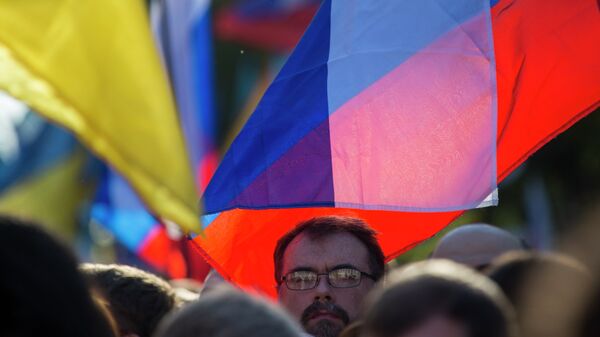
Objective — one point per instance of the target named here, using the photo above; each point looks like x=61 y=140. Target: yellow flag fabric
x=92 y=66
x=52 y=198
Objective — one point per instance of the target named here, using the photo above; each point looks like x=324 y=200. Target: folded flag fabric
x=92 y=67
x=363 y=111
x=120 y=211
x=182 y=30
x=30 y=145
x=373 y=116
x=42 y=168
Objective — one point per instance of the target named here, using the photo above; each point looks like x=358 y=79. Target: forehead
x=326 y=252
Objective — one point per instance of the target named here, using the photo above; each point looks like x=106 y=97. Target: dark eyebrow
x=301 y=268
x=344 y=266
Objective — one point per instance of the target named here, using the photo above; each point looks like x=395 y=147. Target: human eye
x=300 y=279
x=344 y=276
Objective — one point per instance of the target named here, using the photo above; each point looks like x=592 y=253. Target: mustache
x=328 y=307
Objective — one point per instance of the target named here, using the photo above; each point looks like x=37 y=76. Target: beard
x=324 y=327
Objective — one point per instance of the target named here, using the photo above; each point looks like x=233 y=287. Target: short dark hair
x=41 y=288
x=227 y=312
x=323 y=226
x=512 y=272
x=138 y=300
x=424 y=290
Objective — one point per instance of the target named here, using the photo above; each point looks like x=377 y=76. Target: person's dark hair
x=226 y=312
x=512 y=271
x=41 y=289
x=438 y=288
x=138 y=300
x=590 y=320
x=323 y=226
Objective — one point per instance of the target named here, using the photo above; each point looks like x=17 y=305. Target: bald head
x=476 y=245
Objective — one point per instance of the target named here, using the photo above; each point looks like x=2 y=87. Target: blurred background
x=47 y=175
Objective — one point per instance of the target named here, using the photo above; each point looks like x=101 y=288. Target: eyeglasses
x=337 y=278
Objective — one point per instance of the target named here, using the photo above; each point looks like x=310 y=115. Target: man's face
x=324 y=311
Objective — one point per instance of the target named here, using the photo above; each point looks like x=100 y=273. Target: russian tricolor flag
x=368 y=113
x=403 y=113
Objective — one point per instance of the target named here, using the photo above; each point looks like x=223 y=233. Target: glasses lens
x=300 y=280
x=344 y=278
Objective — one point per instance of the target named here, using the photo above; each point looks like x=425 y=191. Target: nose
x=323 y=291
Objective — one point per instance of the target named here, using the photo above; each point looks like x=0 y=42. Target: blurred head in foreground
x=476 y=245
x=138 y=300
x=438 y=298
x=512 y=271
x=561 y=300
x=324 y=269
x=41 y=289
x=226 y=312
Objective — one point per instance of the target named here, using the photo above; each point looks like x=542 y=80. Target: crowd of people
x=332 y=281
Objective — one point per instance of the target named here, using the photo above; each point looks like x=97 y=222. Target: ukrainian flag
x=92 y=67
